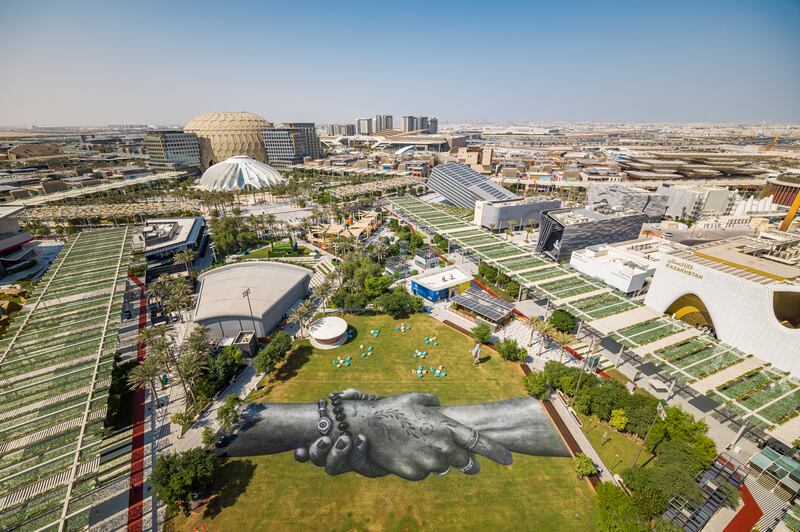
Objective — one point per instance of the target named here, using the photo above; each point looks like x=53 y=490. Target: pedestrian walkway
x=574 y=428
x=241 y=386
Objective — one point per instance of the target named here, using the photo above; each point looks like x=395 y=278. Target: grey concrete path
x=580 y=437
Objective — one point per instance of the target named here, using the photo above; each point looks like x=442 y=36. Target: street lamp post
x=580 y=377
x=661 y=414
x=246 y=294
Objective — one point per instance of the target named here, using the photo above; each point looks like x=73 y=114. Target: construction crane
x=772 y=145
x=791 y=214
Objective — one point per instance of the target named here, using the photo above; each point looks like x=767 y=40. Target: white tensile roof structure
x=240 y=173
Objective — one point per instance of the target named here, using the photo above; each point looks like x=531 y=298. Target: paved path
x=244 y=383
x=583 y=442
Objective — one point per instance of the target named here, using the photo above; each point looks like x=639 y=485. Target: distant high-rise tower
x=170 y=150
x=383 y=122
x=420 y=123
x=335 y=130
x=292 y=143
x=309 y=132
x=364 y=126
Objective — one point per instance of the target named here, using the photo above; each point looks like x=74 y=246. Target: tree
x=276 y=350
x=176 y=477
x=221 y=369
x=323 y=292
x=197 y=341
x=615 y=511
x=207 y=436
x=563 y=321
x=487 y=272
x=398 y=303
x=228 y=413
x=178 y=302
x=682 y=426
x=545 y=330
x=182 y=418
x=185 y=257
x=481 y=332
x=563 y=340
x=145 y=373
x=537 y=324
x=584 y=465
x=302 y=314
x=159 y=343
x=376 y=286
x=536 y=385
x=618 y=419
x=648 y=499
x=510 y=350
x=192 y=365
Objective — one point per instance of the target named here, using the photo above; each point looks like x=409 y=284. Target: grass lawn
x=277 y=493
x=279 y=249
x=619 y=449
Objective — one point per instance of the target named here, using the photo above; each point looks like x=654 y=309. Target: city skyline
x=87 y=63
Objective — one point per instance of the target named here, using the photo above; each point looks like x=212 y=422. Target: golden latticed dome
x=223 y=135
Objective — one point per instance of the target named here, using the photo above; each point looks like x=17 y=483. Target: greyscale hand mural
x=409 y=435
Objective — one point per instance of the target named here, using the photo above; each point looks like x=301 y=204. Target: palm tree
x=510 y=229
x=178 y=302
x=271 y=223
x=159 y=289
x=301 y=314
x=563 y=340
x=544 y=329
x=323 y=292
x=381 y=249
x=541 y=326
x=159 y=343
x=197 y=341
x=146 y=372
x=192 y=365
x=185 y=257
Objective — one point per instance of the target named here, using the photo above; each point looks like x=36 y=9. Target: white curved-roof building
x=746 y=289
x=328 y=331
x=222 y=135
x=240 y=173
x=274 y=288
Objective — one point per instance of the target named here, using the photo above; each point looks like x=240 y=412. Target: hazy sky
x=114 y=61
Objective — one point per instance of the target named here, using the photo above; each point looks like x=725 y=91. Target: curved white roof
x=239 y=172
x=221 y=289
x=328 y=328
x=405 y=149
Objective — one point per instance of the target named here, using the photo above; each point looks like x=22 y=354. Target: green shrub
x=536 y=385
x=274 y=352
x=584 y=466
x=618 y=419
x=562 y=321
x=481 y=332
x=207 y=436
x=176 y=477
x=399 y=304
x=616 y=511
x=510 y=350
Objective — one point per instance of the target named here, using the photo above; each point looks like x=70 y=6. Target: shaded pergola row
x=56 y=361
x=593 y=302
